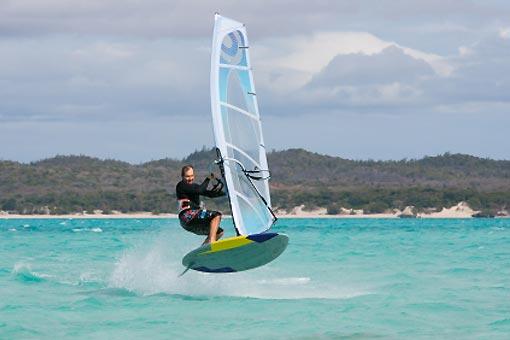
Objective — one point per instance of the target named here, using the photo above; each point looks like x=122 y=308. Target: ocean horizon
x=355 y=278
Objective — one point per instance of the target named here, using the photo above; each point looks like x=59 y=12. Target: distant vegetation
x=66 y=184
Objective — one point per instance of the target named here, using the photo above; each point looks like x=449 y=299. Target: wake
x=154 y=268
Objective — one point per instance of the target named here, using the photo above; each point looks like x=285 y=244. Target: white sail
x=237 y=127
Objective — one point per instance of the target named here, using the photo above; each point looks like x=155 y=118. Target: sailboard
x=241 y=157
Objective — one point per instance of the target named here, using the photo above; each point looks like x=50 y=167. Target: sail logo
x=231 y=51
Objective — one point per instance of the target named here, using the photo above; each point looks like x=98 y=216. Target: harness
x=183 y=204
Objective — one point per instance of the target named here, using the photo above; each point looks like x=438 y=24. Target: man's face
x=189 y=176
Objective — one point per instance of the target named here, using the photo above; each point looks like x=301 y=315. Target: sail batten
x=238 y=109
x=237 y=127
x=257 y=164
x=245 y=68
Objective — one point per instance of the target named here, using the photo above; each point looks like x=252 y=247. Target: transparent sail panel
x=244 y=80
x=237 y=127
x=253 y=216
x=236 y=93
x=241 y=132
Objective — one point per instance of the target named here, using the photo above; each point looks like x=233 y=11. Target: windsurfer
x=191 y=216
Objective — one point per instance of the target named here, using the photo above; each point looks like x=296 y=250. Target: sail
x=237 y=128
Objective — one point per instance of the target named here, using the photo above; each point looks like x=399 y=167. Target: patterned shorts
x=198 y=221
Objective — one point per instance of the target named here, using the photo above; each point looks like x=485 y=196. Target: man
x=191 y=216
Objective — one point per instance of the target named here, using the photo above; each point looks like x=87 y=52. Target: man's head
x=188 y=174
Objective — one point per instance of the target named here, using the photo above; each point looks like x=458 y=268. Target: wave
x=502 y=322
x=93 y=230
x=23 y=272
x=110 y=292
x=286 y=281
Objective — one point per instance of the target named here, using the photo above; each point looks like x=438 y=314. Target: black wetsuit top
x=193 y=191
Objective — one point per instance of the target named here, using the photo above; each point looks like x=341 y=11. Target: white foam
x=12 y=229
x=25 y=268
x=93 y=230
x=155 y=268
x=88 y=277
x=20 y=266
x=286 y=281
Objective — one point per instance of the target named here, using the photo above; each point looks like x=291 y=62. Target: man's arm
x=194 y=188
x=215 y=192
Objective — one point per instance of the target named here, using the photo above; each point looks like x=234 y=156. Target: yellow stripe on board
x=228 y=243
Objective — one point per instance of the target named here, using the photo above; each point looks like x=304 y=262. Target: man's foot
x=207 y=241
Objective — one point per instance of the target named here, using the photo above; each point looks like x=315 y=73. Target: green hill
x=77 y=183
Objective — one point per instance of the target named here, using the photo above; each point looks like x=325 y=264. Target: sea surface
x=339 y=278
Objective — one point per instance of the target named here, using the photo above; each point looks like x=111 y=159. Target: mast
x=237 y=128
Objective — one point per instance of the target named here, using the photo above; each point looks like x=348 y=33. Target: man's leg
x=215 y=223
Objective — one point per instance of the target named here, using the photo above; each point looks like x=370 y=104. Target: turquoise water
x=357 y=278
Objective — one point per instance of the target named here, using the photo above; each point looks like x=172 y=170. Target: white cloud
x=105 y=50
x=504 y=33
x=465 y=51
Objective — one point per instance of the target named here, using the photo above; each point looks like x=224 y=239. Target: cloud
x=391 y=65
x=82 y=79
x=388 y=80
x=482 y=75
x=118 y=78
x=360 y=81
x=504 y=33
x=399 y=80
x=128 y=140
x=180 y=18
x=109 y=61
x=287 y=64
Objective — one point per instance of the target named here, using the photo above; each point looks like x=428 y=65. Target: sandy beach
x=461 y=210
x=142 y=214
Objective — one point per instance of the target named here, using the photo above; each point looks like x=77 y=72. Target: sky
x=129 y=79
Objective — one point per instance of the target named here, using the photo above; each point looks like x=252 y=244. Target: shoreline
x=146 y=215
x=149 y=215
x=460 y=210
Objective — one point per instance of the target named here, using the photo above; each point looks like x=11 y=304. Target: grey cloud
x=130 y=140
x=389 y=66
x=483 y=75
x=102 y=62
x=162 y=18
x=85 y=80
x=82 y=79
x=392 y=82
x=389 y=81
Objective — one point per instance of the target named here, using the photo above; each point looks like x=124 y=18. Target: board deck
x=236 y=254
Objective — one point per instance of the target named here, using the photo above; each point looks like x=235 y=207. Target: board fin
x=186 y=270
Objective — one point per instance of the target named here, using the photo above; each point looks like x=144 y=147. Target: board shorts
x=198 y=221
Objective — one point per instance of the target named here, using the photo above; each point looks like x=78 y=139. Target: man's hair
x=185 y=169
